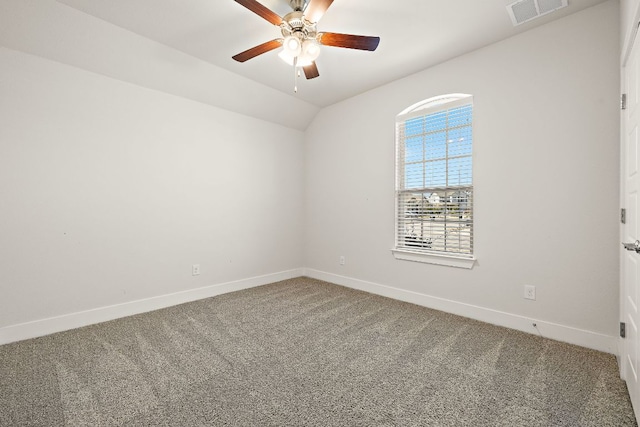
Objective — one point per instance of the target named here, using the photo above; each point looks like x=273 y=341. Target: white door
x=630 y=262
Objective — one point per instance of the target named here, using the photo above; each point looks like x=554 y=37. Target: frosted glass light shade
x=310 y=49
x=286 y=56
x=292 y=46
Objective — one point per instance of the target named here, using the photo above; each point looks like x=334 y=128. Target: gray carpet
x=306 y=353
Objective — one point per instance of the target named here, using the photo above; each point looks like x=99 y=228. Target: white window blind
x=434 y=182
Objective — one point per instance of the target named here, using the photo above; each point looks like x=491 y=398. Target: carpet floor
x=306 y=353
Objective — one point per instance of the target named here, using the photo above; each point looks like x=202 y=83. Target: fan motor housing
x=295 y=24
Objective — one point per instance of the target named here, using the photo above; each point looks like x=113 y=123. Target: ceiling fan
x=301 y=40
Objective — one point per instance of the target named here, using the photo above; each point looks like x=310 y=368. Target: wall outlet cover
x=530 y=292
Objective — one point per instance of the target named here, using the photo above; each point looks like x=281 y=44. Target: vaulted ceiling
x=185 y=47
x=415 y=34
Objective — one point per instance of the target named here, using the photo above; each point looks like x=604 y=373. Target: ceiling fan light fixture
x=310 y=50
x=301 y=40
x=286 y=56
x=301 y=52
x=292 y=46
x=298 y=61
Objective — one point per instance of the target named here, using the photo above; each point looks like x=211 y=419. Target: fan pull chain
x=295 y=74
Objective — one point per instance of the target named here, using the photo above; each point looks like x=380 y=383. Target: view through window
x=434 y=185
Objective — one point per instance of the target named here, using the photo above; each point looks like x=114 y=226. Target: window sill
x=447 y=260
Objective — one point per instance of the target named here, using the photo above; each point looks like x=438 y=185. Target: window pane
x=414 y=175
x=460 y=203
x=437 y=121
x=436 y=146
x=436 y=174
x=413 y=126
x=438 y=220
x=413 y=150
x=415 y=227
x=412 y=204
x=460 y=141
x=460 y=116
x=459 y=171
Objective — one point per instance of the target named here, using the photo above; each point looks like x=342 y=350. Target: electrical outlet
x=529 y=292
x=195 y=270
x=342 y=260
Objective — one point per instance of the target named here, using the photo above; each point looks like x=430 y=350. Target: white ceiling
x=415 y=34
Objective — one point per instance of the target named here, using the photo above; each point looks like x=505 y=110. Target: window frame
x=425 y=108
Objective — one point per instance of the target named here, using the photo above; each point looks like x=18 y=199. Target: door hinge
x=623 y=330
x=623 y=101
x=623 y=216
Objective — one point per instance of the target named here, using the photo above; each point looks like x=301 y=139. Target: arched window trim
x=434 y=104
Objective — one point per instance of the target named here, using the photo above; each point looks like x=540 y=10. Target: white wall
x=110 y=192
x=546 y=182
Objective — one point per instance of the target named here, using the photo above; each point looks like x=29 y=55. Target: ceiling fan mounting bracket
x=297 y=5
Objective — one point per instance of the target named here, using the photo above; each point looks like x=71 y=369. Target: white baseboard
x=65 y=322
x=583 y=338
x=37 y=328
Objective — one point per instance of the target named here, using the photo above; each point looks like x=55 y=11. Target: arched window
x=434 y=181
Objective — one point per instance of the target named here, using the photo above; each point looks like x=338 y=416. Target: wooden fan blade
x=258 y=50
x=311 y=71
x=349 y=41
x=261 y=10
x=316 y=9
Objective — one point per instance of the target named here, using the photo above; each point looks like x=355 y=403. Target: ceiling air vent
x=525 y=10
